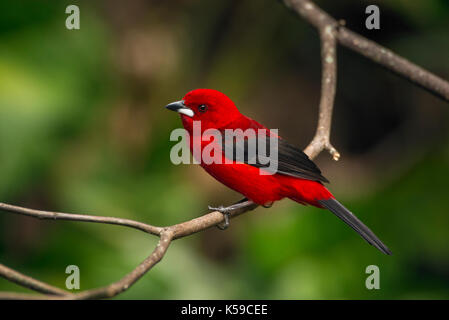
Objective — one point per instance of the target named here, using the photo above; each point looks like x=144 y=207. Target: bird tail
x=314 y=193
x=350 y=219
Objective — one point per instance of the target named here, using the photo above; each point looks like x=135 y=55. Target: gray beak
x=179 y=106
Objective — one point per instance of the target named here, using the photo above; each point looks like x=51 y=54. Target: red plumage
x=241 y=177
x=301 y=181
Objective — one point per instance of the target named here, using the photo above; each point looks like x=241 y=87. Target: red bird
x=296 y=177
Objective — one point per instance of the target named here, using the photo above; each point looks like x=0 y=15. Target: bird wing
x=286 y=158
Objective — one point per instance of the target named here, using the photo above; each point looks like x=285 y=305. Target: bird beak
x=179 y=106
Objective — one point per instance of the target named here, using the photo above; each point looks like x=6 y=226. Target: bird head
x=213 y=108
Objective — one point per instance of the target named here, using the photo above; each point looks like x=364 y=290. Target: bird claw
x=268 y=204
x=225 y=211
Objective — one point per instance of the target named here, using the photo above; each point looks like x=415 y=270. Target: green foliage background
x=83 y=129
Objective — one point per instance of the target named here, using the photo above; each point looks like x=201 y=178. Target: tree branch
x=330 y=33
x=391 y=61
x=80 y=217
x=321 y=139
x=127 y=281
x=371 y=50
x=33 y=284
x=166 y=234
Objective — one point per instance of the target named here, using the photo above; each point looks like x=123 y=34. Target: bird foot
x=226 y=211
x=268 y=204
x=226 y=214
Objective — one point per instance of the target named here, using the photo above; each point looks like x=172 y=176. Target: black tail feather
x=349 y=218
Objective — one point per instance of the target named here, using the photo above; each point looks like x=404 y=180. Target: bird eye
x=202 y=108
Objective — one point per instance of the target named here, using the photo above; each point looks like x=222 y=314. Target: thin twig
x=321 y=139
x=332 y=32
x=166 y=234
x=109 y=291
x=127 y=281
x=31 y=283
x=371 y=50
x=81 y=217
x=392 y=62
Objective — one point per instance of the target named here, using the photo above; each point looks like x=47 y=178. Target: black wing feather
x=290 y=161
